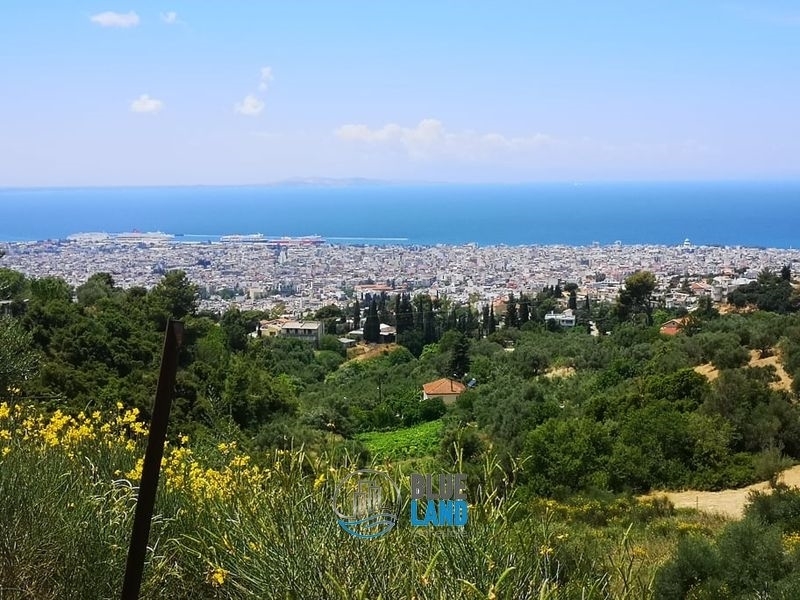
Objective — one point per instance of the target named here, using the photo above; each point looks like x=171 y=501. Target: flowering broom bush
x=231 y=525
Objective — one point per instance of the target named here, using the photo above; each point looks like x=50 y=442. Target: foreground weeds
x=229 y=525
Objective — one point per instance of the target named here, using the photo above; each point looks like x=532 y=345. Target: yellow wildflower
x=4 y=411
x=217 y=577
x=136 y=472
x=240 y=461
x=791 y=541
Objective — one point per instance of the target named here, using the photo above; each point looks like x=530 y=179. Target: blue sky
x=108 y=93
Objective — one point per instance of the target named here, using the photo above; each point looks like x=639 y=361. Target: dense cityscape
x=303 y=275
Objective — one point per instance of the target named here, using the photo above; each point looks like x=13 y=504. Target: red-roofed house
x=447 y=389
x=673 y=326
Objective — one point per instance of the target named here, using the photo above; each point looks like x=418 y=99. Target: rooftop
x=443 y=386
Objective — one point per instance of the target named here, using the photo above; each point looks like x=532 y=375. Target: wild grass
x=228 y=525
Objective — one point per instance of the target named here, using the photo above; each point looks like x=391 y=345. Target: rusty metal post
x=134 y=567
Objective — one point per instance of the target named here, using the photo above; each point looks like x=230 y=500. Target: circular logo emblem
x=367 y=504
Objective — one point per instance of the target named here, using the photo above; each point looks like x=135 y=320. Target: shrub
x=696 y=560
x=781 y=507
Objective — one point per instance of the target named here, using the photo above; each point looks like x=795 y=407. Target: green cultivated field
x=413 y=442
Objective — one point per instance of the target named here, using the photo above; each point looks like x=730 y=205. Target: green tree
x=524 y=309
x=356 y=314
x=429 y=329
x=254 y=397
x=46 y=289
x=529 y=360
x=637 y=297
x=567 y=455
x=174 y=296
x=331 y=343
x=405 y=315
x=572 y=303
x=12 y=284
x=372 y=326
x=236 y=327
x=330 y=315
x=512 y=318
x=18 y=360
x=97 y=287
x=459 y=360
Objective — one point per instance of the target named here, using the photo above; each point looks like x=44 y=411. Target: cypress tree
x=429 y=323
x=512 y=319
x=356 y=315
x=372 y=326
x=405 y=319
x=524 y=309
x=419 y=312
x=492 y=323
x=573 y=300
x=383 y=309
x=459 y=361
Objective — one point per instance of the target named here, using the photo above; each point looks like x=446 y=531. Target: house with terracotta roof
x=447 y=389
x=673 y=326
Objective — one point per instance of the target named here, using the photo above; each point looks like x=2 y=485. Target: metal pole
x=152 y=461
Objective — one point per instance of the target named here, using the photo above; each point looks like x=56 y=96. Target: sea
x=756 y=214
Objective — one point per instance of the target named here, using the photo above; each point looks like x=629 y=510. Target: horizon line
x=362 y=181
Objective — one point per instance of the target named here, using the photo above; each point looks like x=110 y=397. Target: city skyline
x=184 y=94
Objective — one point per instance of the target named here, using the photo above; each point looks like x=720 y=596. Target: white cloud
x=170 y=17
x=266 y=78
x=430 y=143
x=146 y=104
x=251 y=106
x=429 y=139
x=115 y=19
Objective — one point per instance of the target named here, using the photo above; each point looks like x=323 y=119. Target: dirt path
x=784 y=380
x=729 y=503
x=364 y=352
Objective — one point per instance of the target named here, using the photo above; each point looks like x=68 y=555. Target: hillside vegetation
x=559 y=434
